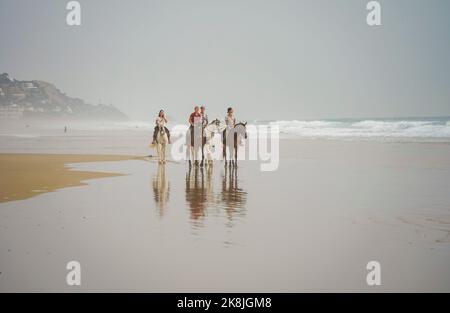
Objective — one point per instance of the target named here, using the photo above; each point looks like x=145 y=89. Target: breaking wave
x=439 y=129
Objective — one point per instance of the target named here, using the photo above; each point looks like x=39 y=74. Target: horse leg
x=164 y=153
x=208 y=157
x=235 y=154
x=232 y=156
x=195 y=153
x=224 y=154
x=158 y=148
x=203 y=154
x=188 y=155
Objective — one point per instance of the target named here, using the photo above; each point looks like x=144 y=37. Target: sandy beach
x=27 y=175
x=337 y=113
x=312 y=225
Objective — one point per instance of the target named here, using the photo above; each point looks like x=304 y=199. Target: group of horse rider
x=196 y=118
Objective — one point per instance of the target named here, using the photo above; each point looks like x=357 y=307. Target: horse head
x=214 y=126
x=241 y=127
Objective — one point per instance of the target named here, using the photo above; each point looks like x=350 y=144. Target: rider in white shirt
x=161 y=121
x=230 y=122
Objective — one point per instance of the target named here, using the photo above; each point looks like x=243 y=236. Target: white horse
x=232 y=139
x=161 y=143
x=161 y=189
x=201 y=140
x=213 y=128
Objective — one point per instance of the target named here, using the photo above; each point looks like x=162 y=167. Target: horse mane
x=214 y=121
x=241 y=123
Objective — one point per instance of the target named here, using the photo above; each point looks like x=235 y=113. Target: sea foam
x=366 y=128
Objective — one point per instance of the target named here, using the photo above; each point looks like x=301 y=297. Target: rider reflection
x=200 y=194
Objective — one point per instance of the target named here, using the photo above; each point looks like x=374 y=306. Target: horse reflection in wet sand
x=200 y=194
x=161 y=189
x=232 y=197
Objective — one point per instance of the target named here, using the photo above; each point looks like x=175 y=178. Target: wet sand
x=26 y=175
x=312 y=225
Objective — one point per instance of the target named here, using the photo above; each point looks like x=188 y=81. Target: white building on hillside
x=28 y=85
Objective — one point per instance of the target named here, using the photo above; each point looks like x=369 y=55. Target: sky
x=278 y=59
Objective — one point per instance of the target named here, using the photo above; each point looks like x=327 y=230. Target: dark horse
x=232 y=138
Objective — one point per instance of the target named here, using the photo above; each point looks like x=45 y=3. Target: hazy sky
x=295 y=59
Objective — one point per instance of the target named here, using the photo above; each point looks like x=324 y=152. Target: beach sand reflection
x=202 y=198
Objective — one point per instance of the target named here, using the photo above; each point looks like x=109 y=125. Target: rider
x=204 y=116
x=230 y=122
x=161 y=120
x=195 y=119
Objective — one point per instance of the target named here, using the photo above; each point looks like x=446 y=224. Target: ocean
x=430 y=129
x=404 y=129
x=437 y=128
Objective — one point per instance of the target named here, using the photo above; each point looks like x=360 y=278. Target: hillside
x=40 y=99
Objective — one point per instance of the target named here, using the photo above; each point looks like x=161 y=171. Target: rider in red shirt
x=195 y=117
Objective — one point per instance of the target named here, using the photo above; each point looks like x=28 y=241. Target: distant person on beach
x=161 y=120
x=65 y=129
